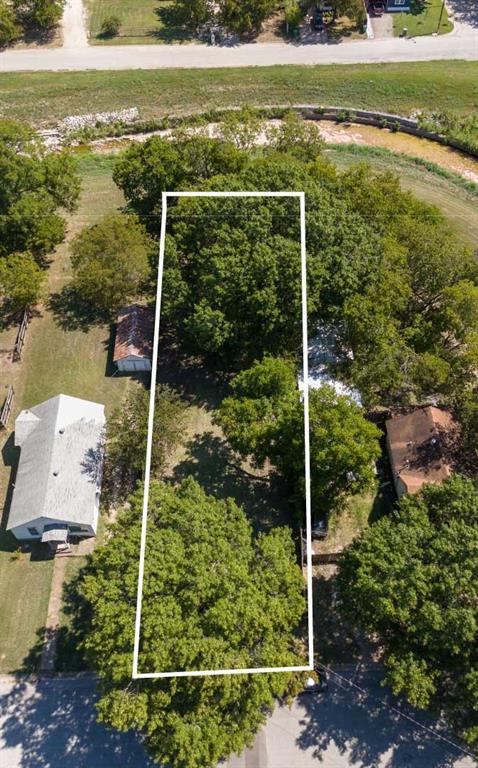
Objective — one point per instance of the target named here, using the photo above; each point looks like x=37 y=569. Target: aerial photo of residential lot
x=370 y=111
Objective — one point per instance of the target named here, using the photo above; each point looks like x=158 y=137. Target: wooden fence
x=7 y=408
x=20 y=340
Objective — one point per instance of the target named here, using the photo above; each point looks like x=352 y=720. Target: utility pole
x=441 y=15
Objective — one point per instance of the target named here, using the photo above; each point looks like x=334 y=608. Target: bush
x=9 y=29
x=43 y=15
x=111 y=26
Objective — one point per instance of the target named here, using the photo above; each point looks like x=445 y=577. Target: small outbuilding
x=58 y=482
x=418 y=445
x=134 y=339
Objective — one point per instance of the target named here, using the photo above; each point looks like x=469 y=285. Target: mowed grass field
x=142 y=21
x=424 y=18
x=42 y=98
x=56 y=360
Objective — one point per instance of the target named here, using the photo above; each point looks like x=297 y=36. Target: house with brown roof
x=134 y=339
x=417 y=446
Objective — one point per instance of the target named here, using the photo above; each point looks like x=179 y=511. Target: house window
x=33 y=531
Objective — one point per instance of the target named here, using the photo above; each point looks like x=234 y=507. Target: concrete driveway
x=382 y=26
x=345 y=729
x=51 y=724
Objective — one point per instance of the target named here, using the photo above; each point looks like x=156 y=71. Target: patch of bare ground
x=34 y=39
x=272 y=29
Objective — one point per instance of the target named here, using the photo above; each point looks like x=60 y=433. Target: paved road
x=460 y=45
x=52 y=724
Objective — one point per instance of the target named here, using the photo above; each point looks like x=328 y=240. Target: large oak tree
x=412 y=579
x=215 y=596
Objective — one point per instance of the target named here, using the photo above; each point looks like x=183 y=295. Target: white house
x=58 y=482
x=134 y=339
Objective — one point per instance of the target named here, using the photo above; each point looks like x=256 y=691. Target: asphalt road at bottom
x=51 y=724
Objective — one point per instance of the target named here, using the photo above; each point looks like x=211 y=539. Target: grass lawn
x=423 y=19
x=25 y=590
x=55 y=360
x=42 y=98
x=142 y=21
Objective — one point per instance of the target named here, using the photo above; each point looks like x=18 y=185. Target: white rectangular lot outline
x=203 y=673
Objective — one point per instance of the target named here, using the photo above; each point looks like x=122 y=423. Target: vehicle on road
x=316 y=684
x=318 y=20
x=376 y=7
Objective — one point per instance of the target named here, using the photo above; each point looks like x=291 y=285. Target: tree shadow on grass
x=196 y=383
x=72 y=312
x=10 y=456
x=172 y=29
x=70 y=656
x=218 y=470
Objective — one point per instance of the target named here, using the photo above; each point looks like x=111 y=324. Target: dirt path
x=73 y=24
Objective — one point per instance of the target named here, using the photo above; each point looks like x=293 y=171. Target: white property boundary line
x=203 y=673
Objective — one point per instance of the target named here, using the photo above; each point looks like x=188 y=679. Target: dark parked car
x=318 y=20
x=376 y=7
x=317 y=684
x=320 y=528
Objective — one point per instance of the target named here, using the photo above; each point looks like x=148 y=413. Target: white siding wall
x=22 y=533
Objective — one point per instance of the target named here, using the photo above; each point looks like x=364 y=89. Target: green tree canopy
x=9 y=29
x=21 y=281
x=110 y=261
x=383 y=266
x=35 y=186
x=413 y=579
x=159 y=165
x=214 y=596
x=245 y=16
x=127 y=436
x=264 y=419
x=42 y=14
x=232 y=277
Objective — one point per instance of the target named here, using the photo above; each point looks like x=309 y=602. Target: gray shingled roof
x=59 y=472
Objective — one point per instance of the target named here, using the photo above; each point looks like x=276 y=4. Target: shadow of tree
x=172 y=27
x=194 y=382
x=365 y=732
x=52 y=722
x=10 y=456
x=31 y=662
x=72 y=312
x=218 y=470
x=465 y=11
x=70 y=656
x=334 y=643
